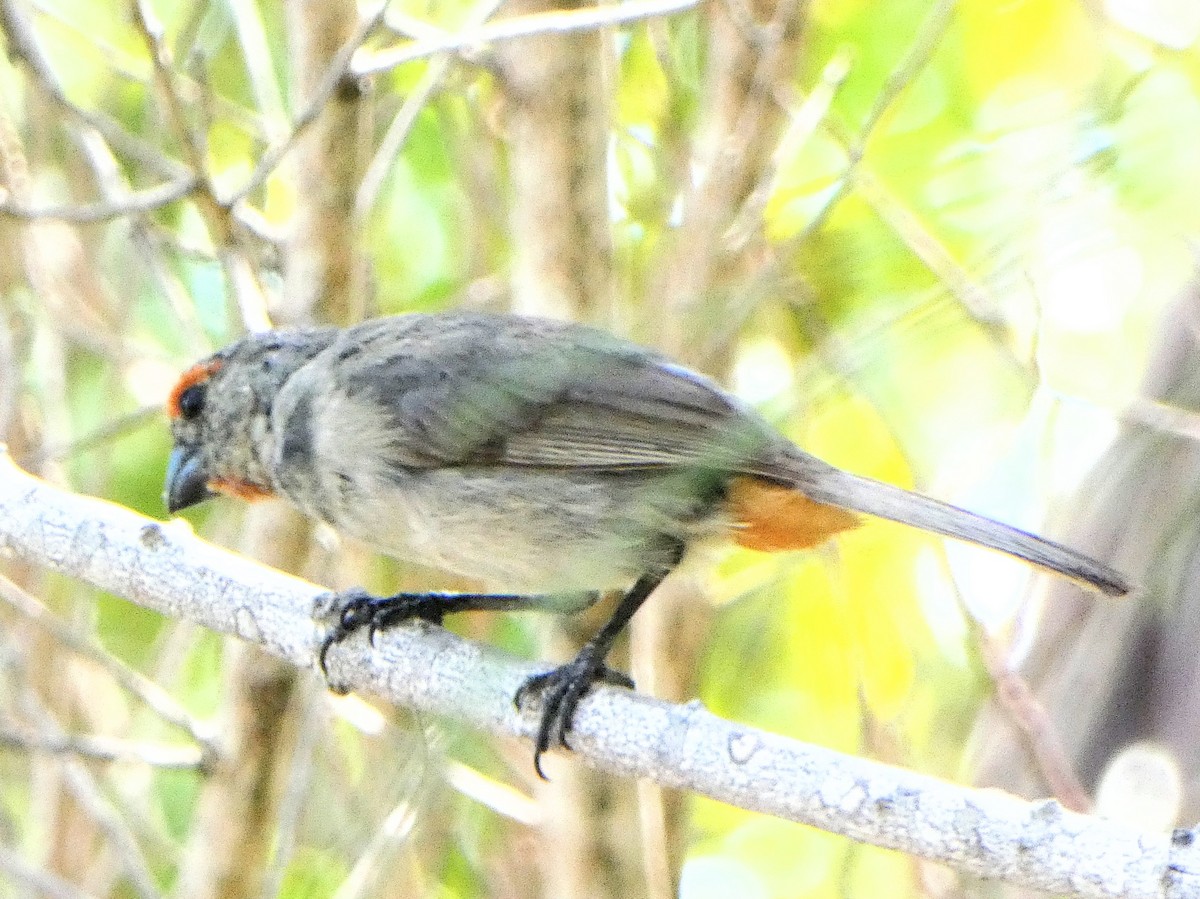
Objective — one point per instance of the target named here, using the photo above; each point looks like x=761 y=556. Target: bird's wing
x=472 y=389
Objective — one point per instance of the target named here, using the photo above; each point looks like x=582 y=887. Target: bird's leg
x=352 y=610
x=562 y=688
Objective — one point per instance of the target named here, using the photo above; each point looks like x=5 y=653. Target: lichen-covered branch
x=985 y=833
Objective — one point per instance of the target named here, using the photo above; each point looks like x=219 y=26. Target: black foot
x=355 y=609
x=561 y=689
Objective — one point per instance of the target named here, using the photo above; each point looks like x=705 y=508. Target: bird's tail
x=824 y=486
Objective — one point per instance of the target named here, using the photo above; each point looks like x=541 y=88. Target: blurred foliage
x=970 y=229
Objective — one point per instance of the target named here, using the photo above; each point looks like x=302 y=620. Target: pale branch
x=147 y=691
x=138 y=203
x=471 y=39
x=1017 y=698
x=334 y=78
x=986 y=833
x=38 y=881
x=397 y=133
x=103 y=749
x=21 y=42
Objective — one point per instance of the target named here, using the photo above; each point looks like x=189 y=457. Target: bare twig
x=44 y=883
x=109 y=819
x=398 y=130
x=339 y=70
x=113 y=185
x=1029 y=716
x=22 y=44
x=152 y=33
x=148 y=692
x=929 y=36
x=248 y=19
x=104 y=749
x=805 y=118
x=127 y=67
x=564 y=22
x=136 y=203
x=984 y=832
x=223 y=226
x=936 y=256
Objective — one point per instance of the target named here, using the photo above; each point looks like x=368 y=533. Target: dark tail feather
x=840 y=488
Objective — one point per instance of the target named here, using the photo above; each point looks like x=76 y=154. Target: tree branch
x=559 y=22
x=103 y=749
x=136 y=203
x=981 y=832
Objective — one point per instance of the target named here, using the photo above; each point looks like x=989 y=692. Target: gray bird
x=547 y=460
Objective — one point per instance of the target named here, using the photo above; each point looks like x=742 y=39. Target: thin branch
x=242 y=285
x=152 y=32
x=402 y=123
x=129 y=70
x=256 y=56
x=805 y=118
x=563 y=22
x=136 y=203
x=37 y=880
x=339 y=70
x=1028 y=716
x=926 y=246
x=104 y=749
x=149 y=693
x=22 y=43
x=929 y=36
x=113 y=185
x=983 y=832
x=113 y=822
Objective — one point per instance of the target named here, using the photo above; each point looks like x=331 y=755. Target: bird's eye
x=191 y=402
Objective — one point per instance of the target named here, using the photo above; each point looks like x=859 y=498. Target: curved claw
x=561 y=690
x=354 y=609
x=348 y=608
x=615 y=678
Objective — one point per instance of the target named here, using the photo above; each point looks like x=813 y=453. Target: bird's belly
x=531 y=530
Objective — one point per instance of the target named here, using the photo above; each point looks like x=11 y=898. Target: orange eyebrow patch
x=197 y=374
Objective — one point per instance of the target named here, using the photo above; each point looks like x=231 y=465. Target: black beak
x=187 y=481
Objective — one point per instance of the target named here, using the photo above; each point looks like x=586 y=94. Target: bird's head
x=220 y=413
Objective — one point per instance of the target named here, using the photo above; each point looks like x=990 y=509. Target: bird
x=549 y=461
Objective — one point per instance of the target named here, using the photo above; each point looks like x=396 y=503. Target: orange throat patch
x=244 y=490
x=772 y=518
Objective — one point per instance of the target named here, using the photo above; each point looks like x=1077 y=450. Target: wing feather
x=465 y=389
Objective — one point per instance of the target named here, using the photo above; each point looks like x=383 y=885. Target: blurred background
x=950 y=245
